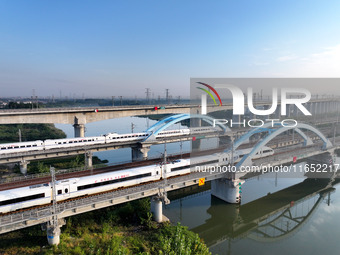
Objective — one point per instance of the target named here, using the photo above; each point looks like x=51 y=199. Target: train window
x=157 y=172
x=34 y=145
x=16 y=147
x=88 y=186
x=28 y=146
x=21 y=199
x=70 y=142
x=22 y=146
x=3 y=148
x=64 y=142
x=194 y=165
x=75 y=141
x=66 y=190
x=59 y=191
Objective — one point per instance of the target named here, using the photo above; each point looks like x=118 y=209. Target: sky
x=120 y=48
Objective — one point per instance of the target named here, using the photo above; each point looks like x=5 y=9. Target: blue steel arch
x=266 y=128
x=167 y=122
x=258 y=147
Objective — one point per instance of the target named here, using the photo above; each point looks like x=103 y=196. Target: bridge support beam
x=23 y=166
x=88 y=159
x=140 y=152
x=79 y=130
x=227 y=190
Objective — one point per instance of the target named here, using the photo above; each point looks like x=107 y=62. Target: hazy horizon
x=110 y=48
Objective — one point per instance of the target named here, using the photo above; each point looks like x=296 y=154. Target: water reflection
x=261 y=225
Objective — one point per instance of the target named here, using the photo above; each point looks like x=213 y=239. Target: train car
x=65 y=143
x=114 y=137
x=15 y=199
x=108 y=181
x=21 y=147
x=265 y=152
x=20 y=198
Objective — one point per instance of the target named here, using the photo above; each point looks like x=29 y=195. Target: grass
x=122 y=229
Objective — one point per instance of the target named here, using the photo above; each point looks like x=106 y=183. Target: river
x=277 y=215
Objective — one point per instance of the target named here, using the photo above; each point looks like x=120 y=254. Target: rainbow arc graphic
x=209 y=93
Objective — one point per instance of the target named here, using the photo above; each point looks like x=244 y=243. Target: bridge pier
x=196 y=145
x=88 y=159
x=23 y=166
x=227 y=190
x=157 y=209
x=52 y=231
x=224 y=141
x=140 y=152
x=79 y=130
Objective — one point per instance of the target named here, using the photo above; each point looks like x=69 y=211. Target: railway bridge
x=225 y=184
x=80 y=116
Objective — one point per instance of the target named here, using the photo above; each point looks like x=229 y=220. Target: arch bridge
x=271 y=131
x=167 y=122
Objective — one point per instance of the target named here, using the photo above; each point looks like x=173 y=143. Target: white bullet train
x=41 y=194
x=93 y=140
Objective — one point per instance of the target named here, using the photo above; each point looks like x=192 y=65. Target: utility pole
x=167 y=95
x=54 y=199
x=148 y=93
x=132 y=127
x=113 y=100
x=19 y=133
x=121 y=100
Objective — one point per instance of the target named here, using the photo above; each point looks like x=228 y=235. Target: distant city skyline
x=120 y=48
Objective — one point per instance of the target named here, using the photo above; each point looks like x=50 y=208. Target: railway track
x=61 y=176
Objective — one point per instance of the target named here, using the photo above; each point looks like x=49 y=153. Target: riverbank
x=122 y=229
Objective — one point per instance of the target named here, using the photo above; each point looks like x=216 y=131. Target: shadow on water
x=270 y=218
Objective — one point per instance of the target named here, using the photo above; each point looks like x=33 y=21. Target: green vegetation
x=123 y=229
x=29 y=132
x=43 y=166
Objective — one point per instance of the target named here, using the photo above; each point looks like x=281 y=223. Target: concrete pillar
x=140 y=152
x=224 y=141
x=23 y=166
x=227 y=190
x=196 y=145
x=277 y=113
x=79 y=130
x=316 y=108
x=52 y=231
x=88 y=159
x=53 y=234
x=196 y=122
x=157 y=209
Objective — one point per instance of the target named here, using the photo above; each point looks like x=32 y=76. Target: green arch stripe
x=208 y=92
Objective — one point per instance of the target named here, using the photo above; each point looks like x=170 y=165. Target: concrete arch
x=258 y=147
x=171 y=120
